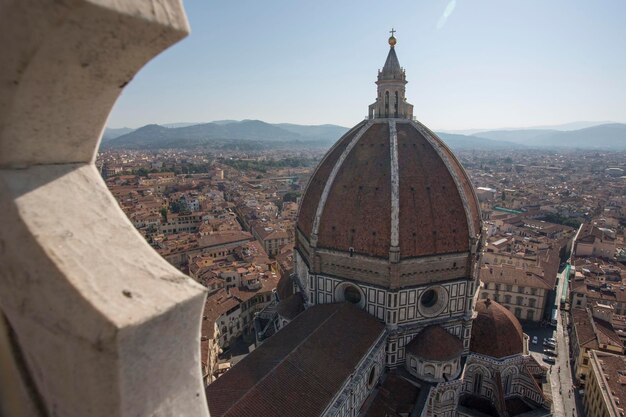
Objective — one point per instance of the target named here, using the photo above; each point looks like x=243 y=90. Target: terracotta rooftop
x=592 y=332
x=589 y=233
x=507 y=274
x=495 y=331
x=395 y=397
x=357 y=211
x=291 y=306
x=614 y=370
x=337 y=335
x=436 y=344
x=222 y=238
x=284 y=288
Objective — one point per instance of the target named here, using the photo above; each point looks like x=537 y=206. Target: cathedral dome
x=390 y=185
x=496 y=332
x=387 y=193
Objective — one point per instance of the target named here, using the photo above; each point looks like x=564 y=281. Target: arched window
x=395 y=106
x=386 y=103
x=478 y=382
x=507 y=384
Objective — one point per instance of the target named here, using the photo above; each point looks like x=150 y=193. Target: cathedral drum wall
x=405 y=308
x=302 y=273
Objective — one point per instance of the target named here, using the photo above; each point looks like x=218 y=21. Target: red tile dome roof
x=496 y=332
x=435 y=343
x=390 y=183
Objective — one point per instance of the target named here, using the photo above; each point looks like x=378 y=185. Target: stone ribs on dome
x=496 y=332
x=438 y=213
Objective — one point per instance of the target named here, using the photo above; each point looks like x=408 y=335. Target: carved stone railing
x=93 y=322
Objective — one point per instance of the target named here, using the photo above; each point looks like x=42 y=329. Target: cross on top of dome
x=392 y=39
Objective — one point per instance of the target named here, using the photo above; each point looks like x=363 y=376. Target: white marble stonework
x=95 y=323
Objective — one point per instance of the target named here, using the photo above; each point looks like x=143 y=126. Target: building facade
x=592 y=329
x=523 y=291
x=605 y=393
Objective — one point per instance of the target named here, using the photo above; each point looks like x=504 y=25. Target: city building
x=597 y=281
x=595 y=241
x=523 y=291
x=388 y=241
x=605 y=393
x=592 y=329
x=182 y=222
x=271 y=238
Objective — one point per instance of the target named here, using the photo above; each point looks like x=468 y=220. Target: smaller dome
x=435 y=343
x=496 y=332
x=392 y=41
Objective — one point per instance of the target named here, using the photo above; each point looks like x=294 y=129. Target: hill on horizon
x=606 y=136
x=112 y=133
x=156 y=136
x=560 y=127
x=256 y=134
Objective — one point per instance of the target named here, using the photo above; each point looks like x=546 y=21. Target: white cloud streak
x=446 y=13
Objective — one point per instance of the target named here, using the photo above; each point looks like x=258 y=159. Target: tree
x=164 y=214
x=178 y=206
x=291 y=196
x=142 y=172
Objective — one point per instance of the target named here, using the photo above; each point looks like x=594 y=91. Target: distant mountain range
x=607 y=136
x=253 y=134
x=110 y=133
x=465 y=142
x=563 y=126
x=183 y=135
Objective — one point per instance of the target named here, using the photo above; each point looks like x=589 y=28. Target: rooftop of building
x=336 y=335
x=512 y=275
x=396 y=396
x=592 y=332
x=613 y=369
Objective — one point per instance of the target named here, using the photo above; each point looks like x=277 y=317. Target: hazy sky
x=469 y=63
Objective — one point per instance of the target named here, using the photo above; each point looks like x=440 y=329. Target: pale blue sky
x=489 y=64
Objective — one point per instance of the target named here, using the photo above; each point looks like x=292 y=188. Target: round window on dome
x=429 y=298
x=352 y=295
x=433 y=301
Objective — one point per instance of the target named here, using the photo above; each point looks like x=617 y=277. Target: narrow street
x=560 y=373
